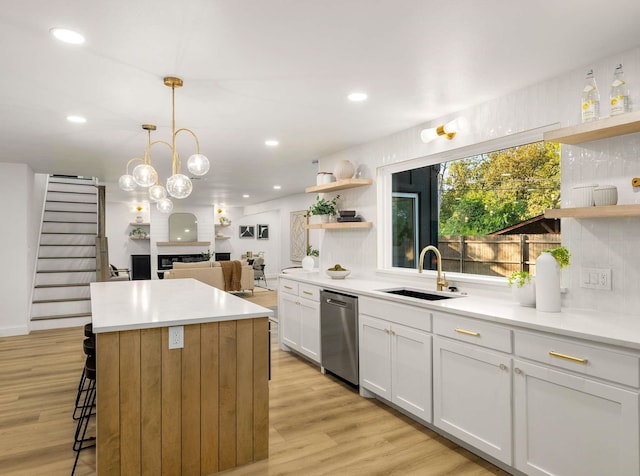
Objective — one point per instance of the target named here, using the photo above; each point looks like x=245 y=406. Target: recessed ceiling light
x=246 y=196
x=67 y=36
x=357 y=97
x=77 y=119
x=277 y=187
x=271 y=143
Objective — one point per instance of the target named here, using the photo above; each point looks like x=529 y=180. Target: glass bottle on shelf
x=590 y=99
x=619 y=93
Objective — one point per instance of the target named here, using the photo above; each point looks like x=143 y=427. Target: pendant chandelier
x=144 y=175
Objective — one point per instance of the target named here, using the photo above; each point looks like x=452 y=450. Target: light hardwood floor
x=318 y=425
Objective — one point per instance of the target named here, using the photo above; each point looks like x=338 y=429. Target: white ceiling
x=260 y=69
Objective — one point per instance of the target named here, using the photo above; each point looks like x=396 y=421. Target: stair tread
x=45 y=301
x=48 y=271
x=71 y=222
x=70 y=211
x=67 y=233
x=65 y=244
x=60 y=316
x=66 y=257
x=68 y=285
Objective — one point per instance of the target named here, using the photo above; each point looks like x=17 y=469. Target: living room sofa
x=210 y=272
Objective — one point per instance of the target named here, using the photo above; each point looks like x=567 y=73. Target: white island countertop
x=126 y=305
x=607 y=327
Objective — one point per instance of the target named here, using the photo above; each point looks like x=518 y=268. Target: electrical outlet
x=176 y=337
x=596 y=278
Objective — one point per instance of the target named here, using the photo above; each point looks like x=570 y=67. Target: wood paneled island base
x=196 y=410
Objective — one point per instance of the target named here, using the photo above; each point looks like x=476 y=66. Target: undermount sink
x=426 y=296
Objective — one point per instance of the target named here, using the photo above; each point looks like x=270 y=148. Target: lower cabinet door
x=310 y=328
x=375 y=356
x=411 y=370
x=472 y=396
x=289 y=321
x=569 y=425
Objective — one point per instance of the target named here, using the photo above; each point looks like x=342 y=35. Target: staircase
x=67 y=252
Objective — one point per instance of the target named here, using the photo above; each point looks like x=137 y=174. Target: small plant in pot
x=308 y=262
x=523 y=288
x=323 y=208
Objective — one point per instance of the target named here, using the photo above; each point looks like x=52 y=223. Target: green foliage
x=324 y=207
x=482 y=194
x=519 y=278
x=311 y=251
x=206 y=255
x=561 y=254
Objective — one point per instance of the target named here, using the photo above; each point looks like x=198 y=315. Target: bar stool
x=81 y=440
x=89 y=350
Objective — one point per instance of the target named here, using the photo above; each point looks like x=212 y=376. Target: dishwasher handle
x=335 y=302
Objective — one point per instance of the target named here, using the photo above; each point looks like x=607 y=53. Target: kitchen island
x=196 y=409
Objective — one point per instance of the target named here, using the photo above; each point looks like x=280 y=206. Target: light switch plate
x=596 y=278
x=176 y=337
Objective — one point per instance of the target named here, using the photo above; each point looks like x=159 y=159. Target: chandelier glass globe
x=127 y=183
x=157 y=192
x=179 y=186
x=198 y=164
x=164 y=205
x=145 y=175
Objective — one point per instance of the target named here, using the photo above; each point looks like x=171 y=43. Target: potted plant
x=206 y=255
x=548 y=266
x=523 y=288
x=323 y=208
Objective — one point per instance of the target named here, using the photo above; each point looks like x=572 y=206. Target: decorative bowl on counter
x=338 y=274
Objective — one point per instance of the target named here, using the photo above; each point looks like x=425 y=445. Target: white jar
x=582 y=195
x=605 y=195
x=548 y=297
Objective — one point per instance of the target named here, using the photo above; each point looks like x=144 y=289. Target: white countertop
x=126 y=305
x=603 y=327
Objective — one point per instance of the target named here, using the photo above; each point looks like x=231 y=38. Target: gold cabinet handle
x=393 y=332
x=503 y=367
x=469 y=333
x=288 y=287
x=518 y=371
x=307 y=292
x=568 y=357
x=386 y=331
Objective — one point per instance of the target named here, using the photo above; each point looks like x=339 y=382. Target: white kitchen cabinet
x=395 y=364
x=299 y=318
x=472 y=395
x=565 y=421
x=569 y=425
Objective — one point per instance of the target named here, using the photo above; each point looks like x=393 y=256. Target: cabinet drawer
x=309 y=292
x=579 y=357
x=473 y=331
x=412 y=316
x=289 y=287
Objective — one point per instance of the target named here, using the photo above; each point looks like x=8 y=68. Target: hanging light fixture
x=178 y=185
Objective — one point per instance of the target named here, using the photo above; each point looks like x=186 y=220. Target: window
x=483 y=210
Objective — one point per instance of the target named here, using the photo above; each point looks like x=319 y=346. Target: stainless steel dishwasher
x=339 y=334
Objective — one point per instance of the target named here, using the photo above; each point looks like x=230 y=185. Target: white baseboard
x=14 y=331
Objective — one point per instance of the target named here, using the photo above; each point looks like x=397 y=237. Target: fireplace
x=165 y=262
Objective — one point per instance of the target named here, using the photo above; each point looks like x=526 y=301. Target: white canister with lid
x=582 y=195
x=605 y=195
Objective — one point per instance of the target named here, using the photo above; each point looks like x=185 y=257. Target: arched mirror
x=183 y=227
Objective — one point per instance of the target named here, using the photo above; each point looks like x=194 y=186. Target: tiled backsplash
x=603 y=243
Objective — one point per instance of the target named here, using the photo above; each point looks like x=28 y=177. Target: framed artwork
x=263 y=232
x=298 y=235
x=247 y=231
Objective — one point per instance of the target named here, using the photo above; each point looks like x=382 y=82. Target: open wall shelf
x=340 y=226
x=611 y=211
x=339 y=185
x=601 y=129
x=183 y=243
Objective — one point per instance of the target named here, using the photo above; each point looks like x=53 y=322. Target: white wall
x=18 y=245
x=606 y=243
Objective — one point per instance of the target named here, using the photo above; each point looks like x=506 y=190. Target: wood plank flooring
x=318 y=425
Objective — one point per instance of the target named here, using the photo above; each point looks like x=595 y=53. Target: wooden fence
x=494 y=255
